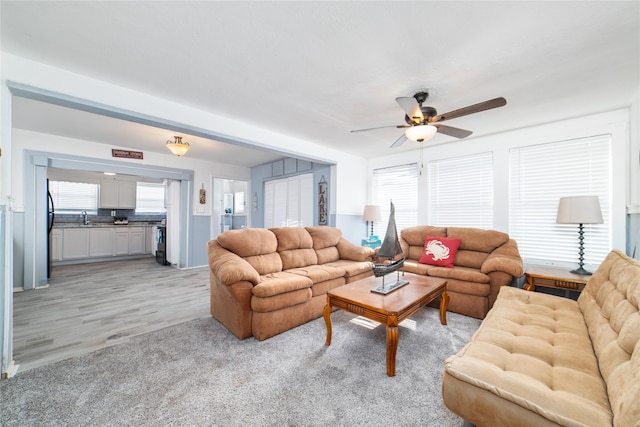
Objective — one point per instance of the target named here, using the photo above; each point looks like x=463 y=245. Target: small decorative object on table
x=389 y=250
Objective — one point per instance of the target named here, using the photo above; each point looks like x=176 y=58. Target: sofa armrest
x=228 y=267
x=353 y=252
x=505 y=258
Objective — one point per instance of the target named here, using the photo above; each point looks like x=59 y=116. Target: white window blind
x=461 y=191
x=540 y=176
x=150 y=197
x=400 y=185
x=289 y=202
x=74 y=197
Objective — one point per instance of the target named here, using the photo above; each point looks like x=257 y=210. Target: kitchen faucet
x=84 y=217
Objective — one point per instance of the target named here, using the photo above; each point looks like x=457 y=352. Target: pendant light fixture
x=420 y=132
x=178 y=147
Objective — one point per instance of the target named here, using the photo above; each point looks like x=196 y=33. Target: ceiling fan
x=423 y=122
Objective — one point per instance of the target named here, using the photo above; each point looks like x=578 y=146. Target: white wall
x=351 y=184
x=615 y=122
x=27 y=140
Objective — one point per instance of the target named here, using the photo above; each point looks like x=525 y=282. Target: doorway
x=230 y=208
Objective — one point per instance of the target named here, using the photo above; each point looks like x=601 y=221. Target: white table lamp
x=579 y=210
x=371 y=214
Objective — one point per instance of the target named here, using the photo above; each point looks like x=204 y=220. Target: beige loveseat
x=543 y=360
x=486 y=260
x=266 y=281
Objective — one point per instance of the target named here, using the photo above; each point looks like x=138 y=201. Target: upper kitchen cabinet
x=117 y=194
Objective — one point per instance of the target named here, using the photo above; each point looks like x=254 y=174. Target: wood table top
x=359 y=292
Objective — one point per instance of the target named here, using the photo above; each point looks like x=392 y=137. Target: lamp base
x=581 y=271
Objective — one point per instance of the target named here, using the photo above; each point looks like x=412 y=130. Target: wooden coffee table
x=390 y=309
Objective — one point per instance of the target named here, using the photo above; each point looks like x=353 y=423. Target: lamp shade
x=178 y=146
x=421 y=132
x=579 y=210
x=371 y=213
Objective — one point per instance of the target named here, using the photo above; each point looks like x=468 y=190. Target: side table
x=554 y=278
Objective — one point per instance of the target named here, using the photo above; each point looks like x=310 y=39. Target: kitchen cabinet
x=150 y=240
x=122 y=241
x=101 y=242
x=75 y=243
x=117 y=194
x=136 y=240
x=56 y=245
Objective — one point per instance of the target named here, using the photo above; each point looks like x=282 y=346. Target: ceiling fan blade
x=451 y=131
x=379 y=127
x=411 y=107
x=399 y=141
x=475 y=108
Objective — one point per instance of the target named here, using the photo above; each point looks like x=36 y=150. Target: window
x=398 y=184
x=289 y=202
x=150 y=198
x=540 y=175
x=461 y=191
x=74 y=197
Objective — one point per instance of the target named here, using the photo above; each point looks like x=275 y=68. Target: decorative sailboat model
x=389 y=250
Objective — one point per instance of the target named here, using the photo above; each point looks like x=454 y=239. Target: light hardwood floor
x=90 y=306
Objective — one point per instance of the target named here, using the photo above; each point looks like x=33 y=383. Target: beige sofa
x=266 y=281
x=543 y=360
x=486 y=260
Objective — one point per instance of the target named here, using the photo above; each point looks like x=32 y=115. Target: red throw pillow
x=440 y=251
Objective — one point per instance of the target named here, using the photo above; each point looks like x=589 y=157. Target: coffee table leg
x=392 y=345
x=327 y=320
x=444 y=303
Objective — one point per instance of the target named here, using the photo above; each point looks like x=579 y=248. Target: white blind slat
x=400 y=185
x=150 y=197
x=74 y=197
x=540 y=175
x=461 y=191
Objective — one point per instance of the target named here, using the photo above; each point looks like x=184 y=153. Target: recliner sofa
x=266 y=281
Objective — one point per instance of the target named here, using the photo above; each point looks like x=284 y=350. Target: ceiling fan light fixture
x=178 y=147
x=420 y=133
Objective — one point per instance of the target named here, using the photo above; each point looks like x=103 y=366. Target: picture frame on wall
x=322 y=201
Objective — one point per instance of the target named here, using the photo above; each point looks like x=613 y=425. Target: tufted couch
x=266 y=281
x=543 y=360
x=485 y=261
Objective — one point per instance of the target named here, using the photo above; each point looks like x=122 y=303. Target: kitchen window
x=74 y=197
x=150 y=198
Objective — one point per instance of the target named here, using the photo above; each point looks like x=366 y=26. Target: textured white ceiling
x=316 y=70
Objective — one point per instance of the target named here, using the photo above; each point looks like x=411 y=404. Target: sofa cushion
x=295 y=247
x=280 y=301
x=413 y=266
x=414 y=236
x=473 y=259
x=610 y=305
x=325 y=241
x=292 y=238
x=324 y=237
x=326 y=255
x=281 y=282
x=265 y=264
x=248 y=241
x=476 y=239
x=352 y=268
x=318 y=273
x=532 y=350
x=461 y=273
x=440 y=251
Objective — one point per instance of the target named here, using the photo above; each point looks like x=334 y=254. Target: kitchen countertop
x=105 y=224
